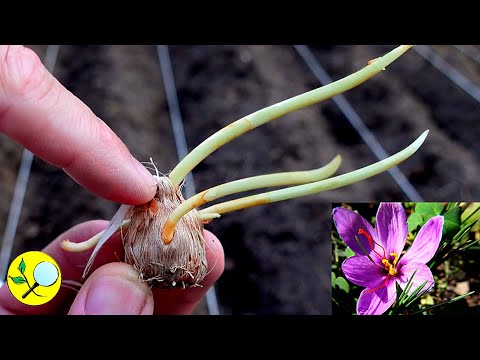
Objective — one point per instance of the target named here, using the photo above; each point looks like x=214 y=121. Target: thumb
x=113 y=289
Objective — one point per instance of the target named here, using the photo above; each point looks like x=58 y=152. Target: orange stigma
x=389 y=266
x=371 y=243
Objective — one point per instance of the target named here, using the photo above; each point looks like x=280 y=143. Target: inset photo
x=405 y=258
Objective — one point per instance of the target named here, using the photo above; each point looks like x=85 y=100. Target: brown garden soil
x=278 y=255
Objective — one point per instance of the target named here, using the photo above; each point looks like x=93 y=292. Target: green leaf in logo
x=22 y=266
x=17 y=279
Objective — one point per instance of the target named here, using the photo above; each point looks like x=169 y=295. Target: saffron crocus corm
x=385 y=266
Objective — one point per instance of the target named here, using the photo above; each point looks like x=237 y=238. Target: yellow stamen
x=391 y=268
x=386 y=264
x=395 y=256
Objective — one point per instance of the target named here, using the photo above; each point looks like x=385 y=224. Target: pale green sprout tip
x=274 y=111
x=207 y=217
x=255 y=182
x=279 y=179
x=256 y=119
x=88 y=244
x=316 y=187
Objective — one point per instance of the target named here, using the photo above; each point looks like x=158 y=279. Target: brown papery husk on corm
x=180 y=263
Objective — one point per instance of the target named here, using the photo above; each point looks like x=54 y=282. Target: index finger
x=37 y=111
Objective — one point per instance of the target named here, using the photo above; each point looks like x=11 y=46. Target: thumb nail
x=115 y=295
x=114 y=289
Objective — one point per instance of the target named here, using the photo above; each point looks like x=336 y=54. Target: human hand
x=42 y=115
x=113 y=287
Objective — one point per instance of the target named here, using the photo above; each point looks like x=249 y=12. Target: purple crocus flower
x=385 y=265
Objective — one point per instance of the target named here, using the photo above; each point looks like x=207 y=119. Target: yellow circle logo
x=34 y=278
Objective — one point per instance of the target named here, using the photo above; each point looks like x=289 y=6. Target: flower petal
x=423 y=274
x=426 y=243
x=378 y=301
x=392 y=227
x=348 y=223
x=362 y=272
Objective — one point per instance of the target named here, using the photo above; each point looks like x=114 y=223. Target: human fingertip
x=113 y=289
x=146 y=177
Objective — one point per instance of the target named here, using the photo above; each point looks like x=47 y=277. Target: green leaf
x=414 y=220
x=340 y=253
x=22 y=266
x=407 y=288
x=342 y=284
x=451 y=205
x=471 y=243
x=18 y=279
x=444 y=303
x=417 y=293
x=471 y=211
x=334 y=277
x=349 y=252
x=409 y=205
x=452 y=220
x=428 y=209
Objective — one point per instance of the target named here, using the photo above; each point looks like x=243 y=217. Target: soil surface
x=277 y=255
